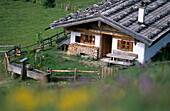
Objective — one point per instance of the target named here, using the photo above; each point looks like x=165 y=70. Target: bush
x=49 y=3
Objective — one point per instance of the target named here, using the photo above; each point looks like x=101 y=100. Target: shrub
x=49 y=3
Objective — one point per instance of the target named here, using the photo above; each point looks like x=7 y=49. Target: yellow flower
x=23 y=99
x=76 y=99
x=119 y=94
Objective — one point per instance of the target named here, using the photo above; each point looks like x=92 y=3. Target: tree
x=49 y=3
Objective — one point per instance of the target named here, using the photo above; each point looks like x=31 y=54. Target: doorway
x=106 y=45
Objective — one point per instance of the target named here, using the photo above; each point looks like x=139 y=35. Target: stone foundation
x=78 y=49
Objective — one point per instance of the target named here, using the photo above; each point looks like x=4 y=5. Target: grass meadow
x=138 y=88
x=135 y=89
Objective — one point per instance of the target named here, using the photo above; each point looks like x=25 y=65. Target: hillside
x=139 y=88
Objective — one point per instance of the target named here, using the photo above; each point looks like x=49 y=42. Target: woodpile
x=78 y=49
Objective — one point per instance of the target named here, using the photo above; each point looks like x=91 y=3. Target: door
x=106 y=45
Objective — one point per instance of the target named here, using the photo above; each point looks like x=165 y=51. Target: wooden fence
x=105 y=72
x=49 y=40
x=6 y=46
x=75 y=73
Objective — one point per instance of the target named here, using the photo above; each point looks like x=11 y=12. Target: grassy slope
x=125 y=92
x=20 y=21
x=135 y=89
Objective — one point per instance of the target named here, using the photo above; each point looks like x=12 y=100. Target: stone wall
x=77 y=49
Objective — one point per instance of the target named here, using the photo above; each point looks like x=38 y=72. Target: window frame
x=125 y=45
x=87 y=39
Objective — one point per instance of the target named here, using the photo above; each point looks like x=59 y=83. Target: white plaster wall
x=114 y=44
x=139 y=49
x=73 y=34
x=151 y=51
x=97 y=40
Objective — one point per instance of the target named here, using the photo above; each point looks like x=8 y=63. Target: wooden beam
x=7 y=46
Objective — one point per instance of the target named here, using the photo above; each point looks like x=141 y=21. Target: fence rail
x=73 y=71
x=6 y=46
x=29 y=45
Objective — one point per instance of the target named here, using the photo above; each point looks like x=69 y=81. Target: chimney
x=141 y=13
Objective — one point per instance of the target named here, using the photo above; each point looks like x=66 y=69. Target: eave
x=104 y=20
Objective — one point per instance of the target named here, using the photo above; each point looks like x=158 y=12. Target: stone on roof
x=125 y=14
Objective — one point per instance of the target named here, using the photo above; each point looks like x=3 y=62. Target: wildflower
x=145 y=84
x=117 y=95
x=76 y=99
x=23 y=99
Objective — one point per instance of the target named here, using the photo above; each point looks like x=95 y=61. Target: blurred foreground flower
x=145 y=84
x=76 y=99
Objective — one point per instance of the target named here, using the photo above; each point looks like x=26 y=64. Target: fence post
x=42 y=45
x=111 y=72
x=102 y=71
x=23 y=69
x=105 y=71
x=36 y=58
x=75 y=74
x=50 y=42
x=99 y=74
x=75 y=8
x=41 y=61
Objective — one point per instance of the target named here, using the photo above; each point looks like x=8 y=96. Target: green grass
x=135 y=89
x=20 y=21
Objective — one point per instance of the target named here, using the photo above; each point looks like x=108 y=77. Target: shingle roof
x=123 y=14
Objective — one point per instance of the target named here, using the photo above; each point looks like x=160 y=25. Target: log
x=61 y=70
x=29 y=45
x=7 y=46
x=3 y=51
x=89 y=71
x=73 y=71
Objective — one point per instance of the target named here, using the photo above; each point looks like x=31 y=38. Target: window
x=87 y=39
x=78 y=39
x=125 y=45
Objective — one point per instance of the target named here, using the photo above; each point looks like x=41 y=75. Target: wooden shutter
x=119 y=44
x=82 y=38
x=130 y=46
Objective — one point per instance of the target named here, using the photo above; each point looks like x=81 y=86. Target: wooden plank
x=3 y=51
x=88 y=71
x=6 y=46
x=14 y=68
x=29 y=45
x=126 y=57
x=36 y=74
x=73 y=71
x=117 y=62
x=61 y=70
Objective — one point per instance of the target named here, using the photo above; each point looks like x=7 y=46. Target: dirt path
x=88 y=62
